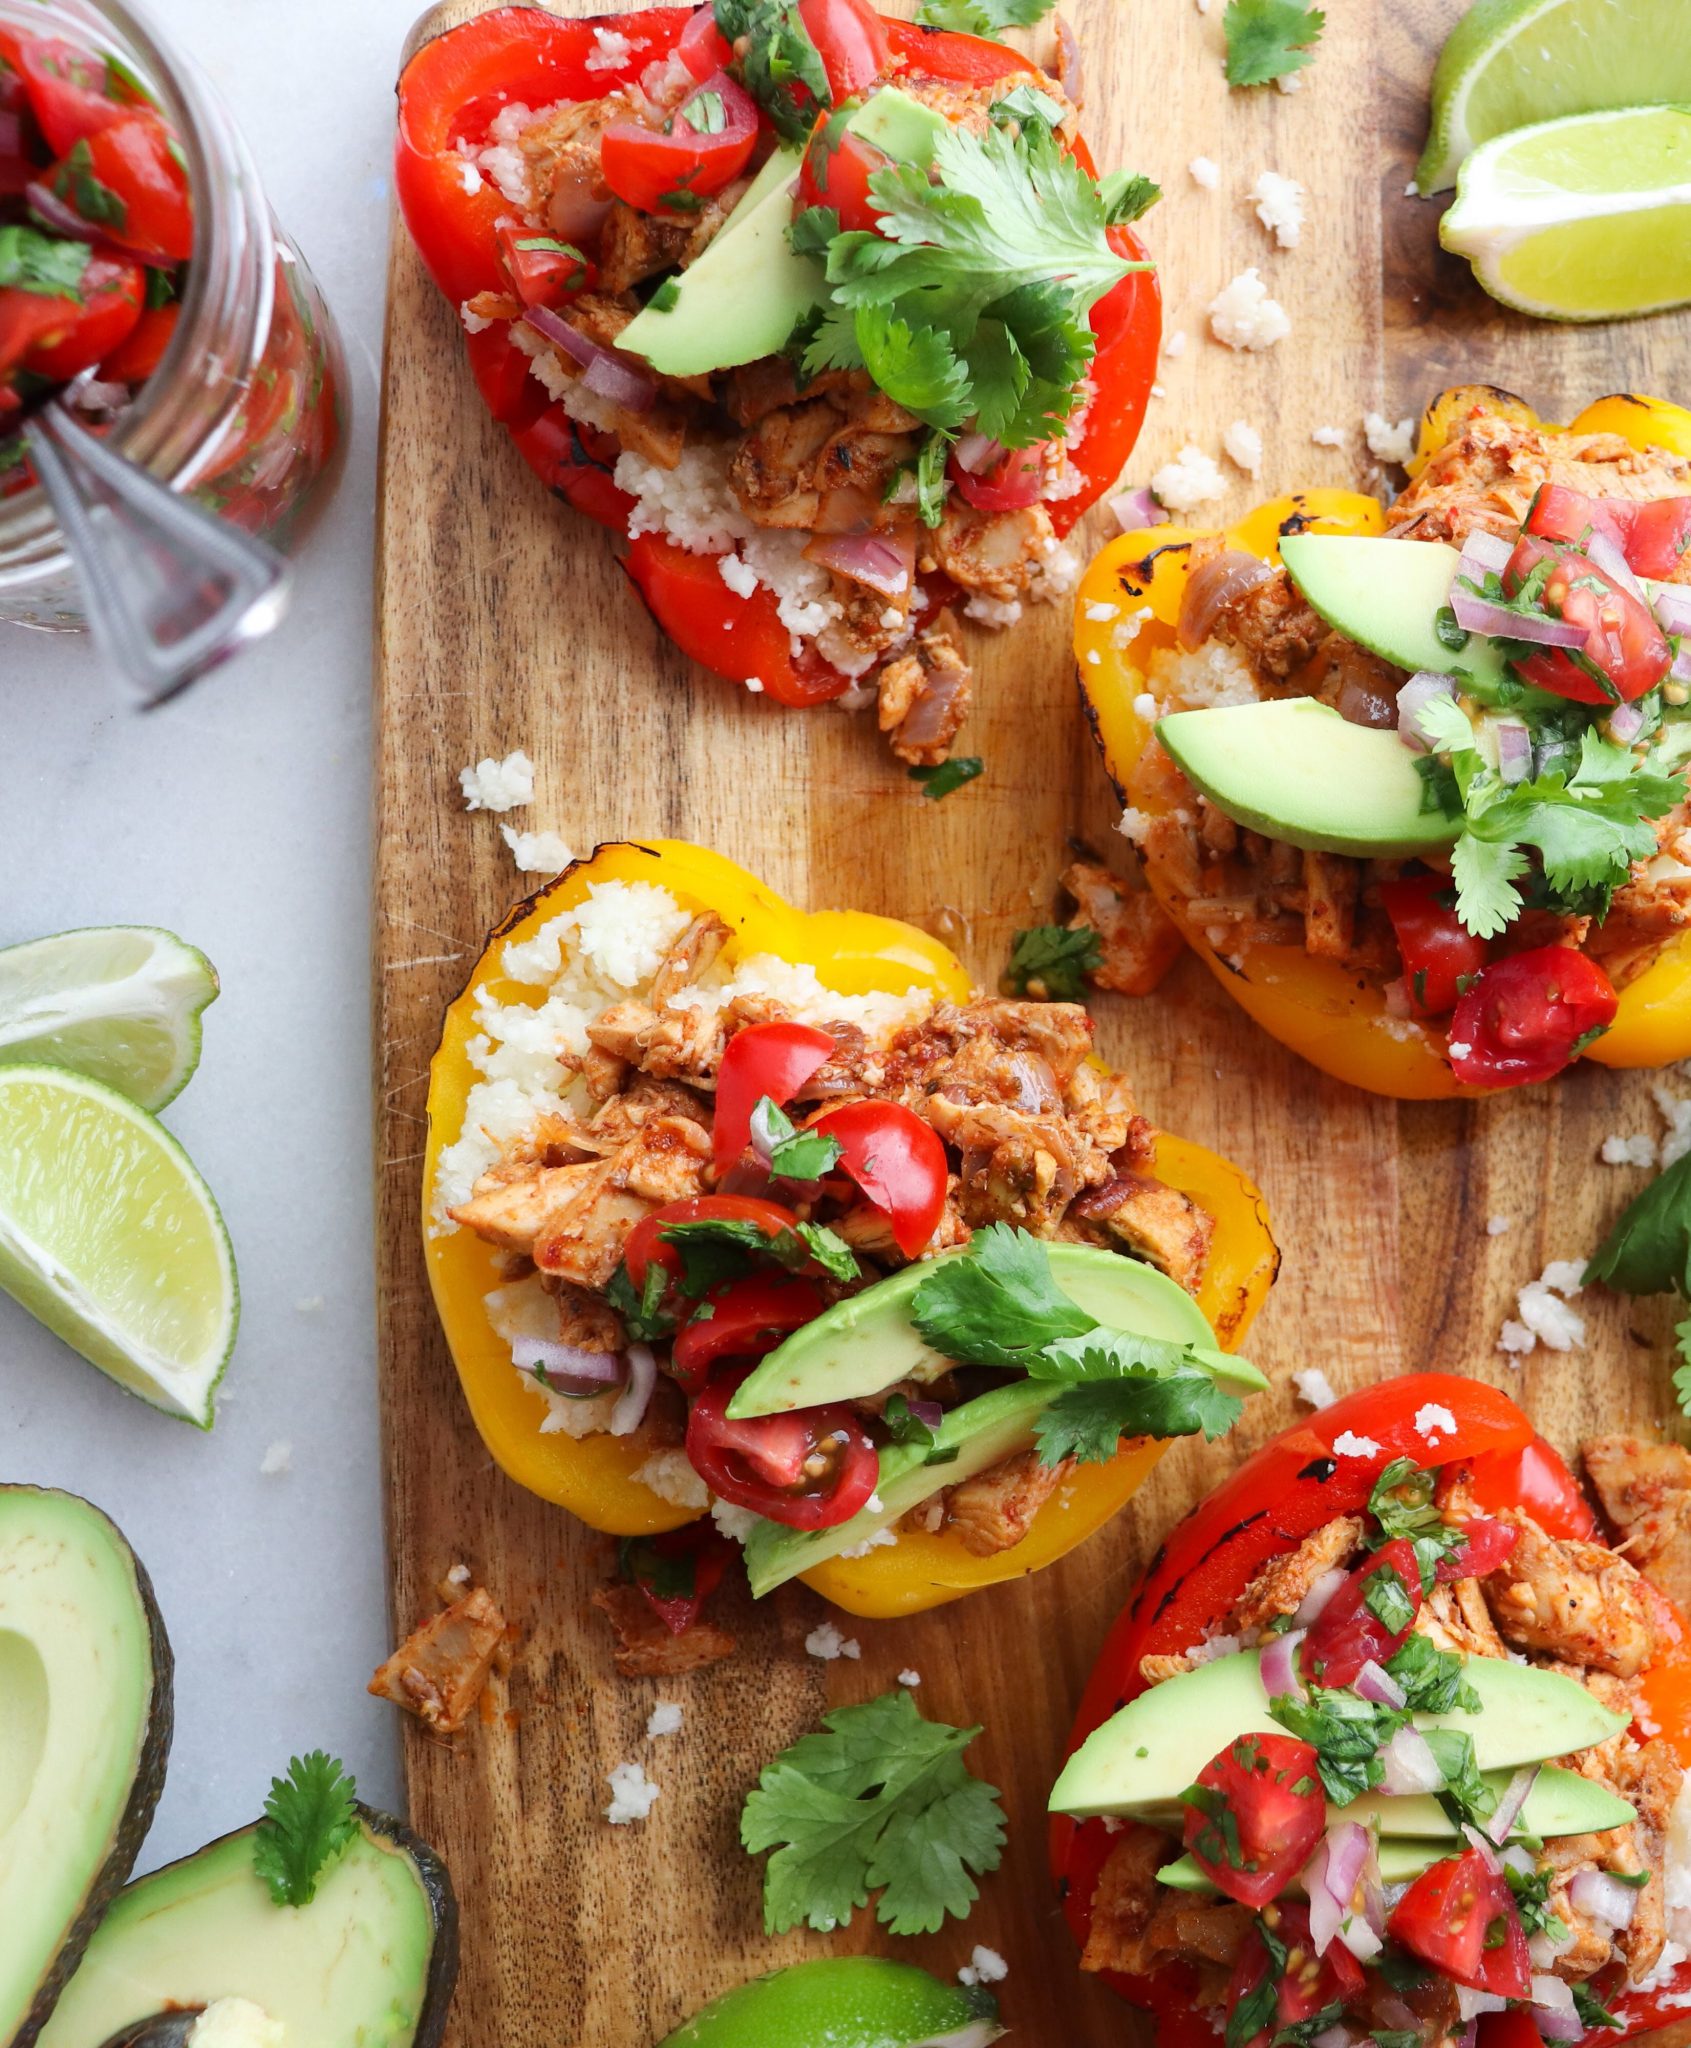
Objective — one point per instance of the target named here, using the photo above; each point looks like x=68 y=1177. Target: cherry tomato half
x=1527 y=1015
x=1310 y=1983
x=543 y=270
x=746 y=1318
x=70 y=89
x=1460 y=1916
x=851 y=40
x=677 y=1571
x=1653 y=536
x=765 y=1059
x=897 y=1160
x=1255 y=1815
x=1015 y=477
x=1368 y=1618
x=672 y=169
x=1623 y=641
x=836 y=172
x=645 y=1244
x=1438 y=954
x=703 y=47
x=135 y=359
x=112 y=290
x=810 y=1469
x=1488 y=1544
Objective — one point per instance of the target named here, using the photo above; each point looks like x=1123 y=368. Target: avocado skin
x=436 y=1881
x=143 y=1797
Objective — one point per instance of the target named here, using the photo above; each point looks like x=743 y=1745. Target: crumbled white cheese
x=1348 y=1444
x=1135 y=825
x=1496 y=1225
x=739 y=576
x=1328 y=437
x=1098 y=609
x=1146 y=708
x=1208 y=677
x=1388 y=443
x=910 y=1678
x=1243 y=445
x=1635 y=1151
x=1243 y=315
x=501 y=159
x=1206 y=172
x=1175 y=345
x=1279 y=206
x=633 y=1795
x=736 y=1523
x=754 y=685
x=826 y=1642
x=1190 y=480
x=498 y=785
x=1677 y=1111
x=279 y=1457
x=1314 y=1387
x=1543 y=1317
x=1431 y=1418
x=665 y=1719
x=670 y=1475
x=1290 y=82
x=985 y=1966
x=1159 y=390
x=537 y=853
x=611 y=50
x=880 y=1539
x=236 y=2023
x=997 y=612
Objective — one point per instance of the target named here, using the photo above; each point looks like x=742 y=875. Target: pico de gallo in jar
x=826 y=313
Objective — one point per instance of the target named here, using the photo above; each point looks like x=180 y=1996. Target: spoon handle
x=170 y=590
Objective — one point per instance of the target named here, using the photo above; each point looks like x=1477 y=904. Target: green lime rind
x=1513 y=63
x=844 y=2002
x=110 y=1237
x=1583 y=218
x=120 y=1003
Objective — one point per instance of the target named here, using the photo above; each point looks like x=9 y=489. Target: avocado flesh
x=902 y=127
x=1147 y=1754
x=867 y=1342
x=85 y=1722
x=1294 y=770
x=1386 y=595
x=367 y=1964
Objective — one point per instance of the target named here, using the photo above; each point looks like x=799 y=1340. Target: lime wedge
x=844 y=2002
x=112 y=1239
x=1511 y=63
x=120 y=1002
x=1587 y=218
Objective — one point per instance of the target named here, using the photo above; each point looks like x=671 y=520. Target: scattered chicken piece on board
x=439 y=1670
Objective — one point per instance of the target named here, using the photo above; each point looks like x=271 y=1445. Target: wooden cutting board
x=504 y=621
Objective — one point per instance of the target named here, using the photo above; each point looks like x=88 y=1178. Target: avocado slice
x=1386 y=595
x=902 y=127
x=1400 y=1863
x=369 y=1963
x=745 y=294
x=85 y=1724
x=1293 y=769
x=867 y=1342
x=1147 y=1754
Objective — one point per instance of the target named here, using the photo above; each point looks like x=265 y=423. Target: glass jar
x=247 y=412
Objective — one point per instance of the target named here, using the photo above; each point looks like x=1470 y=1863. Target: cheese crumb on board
x=1314 y=1387
x=1279 y=206
x=1386 y=442
x=537 y=853
x=1635 y=1151
x=985 y=1966
x=1243 y=316
x=665 y=1719
x=1190 y=480
x=1243 y=444
x=633 y=1795
x=910 y=1678
x=826 y=1642
x=277 y=1459
x=1206 y=172
x=1328 y=437
x=1544 y=1314
x=498 y=785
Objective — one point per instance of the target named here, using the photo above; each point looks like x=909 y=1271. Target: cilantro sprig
x=1269 y=39
x=717 y=1248
x=983 y=17
x=793 y=1154
x=776 y=61
x=309 y=1820
x=1649 y=1252
x=949 y=775
x=46 y=265
x=1050 y=961
x=882 y=1802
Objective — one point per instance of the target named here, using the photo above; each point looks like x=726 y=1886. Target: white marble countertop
x=239 y=817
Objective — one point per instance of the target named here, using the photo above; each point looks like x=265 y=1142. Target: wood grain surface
x=504 y=621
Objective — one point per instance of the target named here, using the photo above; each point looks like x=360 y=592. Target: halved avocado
x=85 y=1724
x=370 y=1963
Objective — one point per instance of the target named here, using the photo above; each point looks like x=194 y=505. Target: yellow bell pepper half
x=1323 y=1013
x=854 y=953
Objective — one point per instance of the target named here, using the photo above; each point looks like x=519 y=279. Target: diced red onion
x=1315 y=1600
x=1390 y=2011
x=602 y=370
x=1672 y=607
x=1484 y=554
x=1414 y=697
x=1604 y=1898
x=976 y=453
x=1217 y=581
x=872 y=559
x=1515 y=1795
x=1681 y=670
x=630 y=1411
x=1469 y=2035
x=1519 y=1860
x=1476 y=614
x=1279 y=1665
x=65 y=220
x=1378 y=1685
x=1136 y=509
x=929 y=1413
x=568 y=1369
x=1558 y=2026
x=934 y=716
x=1071 y=75
x=1514 y=751
x=1330 y=1878
x=1553 y=2010
x=1470 y=2004
x=1333 y=2037
x=1484 y=1847
x=1602 y=553
x=1410 y=1765
x=1360 y=1939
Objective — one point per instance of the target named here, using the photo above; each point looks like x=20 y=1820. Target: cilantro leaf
x=983 y=17
x=1431 y=1679
x=1486 y=897
x=1128 y=196
x=949 y=775
x=1047 y=961
x=309 y=1819
x=1649 y=1249
x=1682 y=1373
x=779 y=66
x=930 y=478
x=43 y=264
x=881 y=1802
x=643 y=1315
x=793 y=1154
x=830 y=1251
x=1591 y=2010
x=1027 y=103
x=1088 y=1421
x=1347 y=1733
x=717 y=1248
x=813 y=228
x=1466 y=1795
x=1268 y=39
x=904 y=1427
x=1532 y=1902
x=995 y=1302
x=918 y=367
x=1402 y=1504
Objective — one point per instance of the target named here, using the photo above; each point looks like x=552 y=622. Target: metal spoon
x=170 y=590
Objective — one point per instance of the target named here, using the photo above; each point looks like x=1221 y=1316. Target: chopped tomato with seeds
x=1288 y=1983
x=704 y=145
x=543 y=270
x=1487 y=1546
x=1369 y=1617
x=812 y=1468
x=1652 y=534
x=1255 y=1815
x=1460 y=1917
x=1440 y=956
x=742 y=1318
x=1526 y=1016
x=645 y=1245
x=898 y=1160
x=1625 y=653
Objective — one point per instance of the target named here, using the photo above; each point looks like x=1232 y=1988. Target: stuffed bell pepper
x=1390 y=1742
x=825 y=312
x=1411 y=782
x=739 y=1211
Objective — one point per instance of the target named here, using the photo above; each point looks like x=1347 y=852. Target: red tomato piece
x=1488 y=1544
x=1528 y=1015
x=1535 y=1478
x=677 y=1571
x=1653 y=536
x=1015 y=477
x=1623 y=641
x=898 y=1161
x=28 y=320
x=1368 y=1618
x=675 y=168
x=703 y=47
x=17 y=131
x=1255 y=1815
x=1460 y=1916
x=129 y=181
x=851 y=40
x=645 y=1243
x=1658 y=537
x=543 y=270
x=1309 y=1983
x=765 y=1059
x=748 y=1317
x=810 y=1469
x=1439 y=956
x=60 y=338
x=836 y=173
x=71 y=91
x=135 y=359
